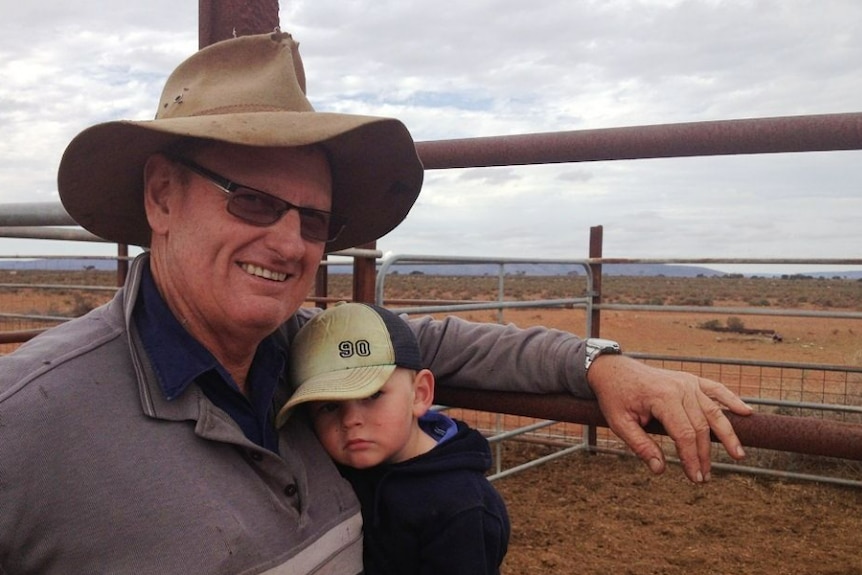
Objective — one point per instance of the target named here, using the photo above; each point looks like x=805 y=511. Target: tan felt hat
x=246 y=91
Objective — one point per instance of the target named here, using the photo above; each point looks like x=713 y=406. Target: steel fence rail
x=815 y=133
x=35 y=214
x=48 y=233
x=804 y=435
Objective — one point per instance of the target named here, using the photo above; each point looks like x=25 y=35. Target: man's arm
x=502 y=357
x=630 y=393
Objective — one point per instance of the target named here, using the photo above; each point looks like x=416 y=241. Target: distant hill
x=646 y=270
x=540 y=269
x=549 y=269
x=59 y=264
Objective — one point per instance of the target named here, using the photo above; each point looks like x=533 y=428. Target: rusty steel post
x=364 y=275
x=223 y=19
x=122 y=264
x=321 y=283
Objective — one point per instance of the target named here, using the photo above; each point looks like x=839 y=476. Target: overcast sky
x=465 y=68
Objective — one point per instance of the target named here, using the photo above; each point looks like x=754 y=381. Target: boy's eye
x=327 y=407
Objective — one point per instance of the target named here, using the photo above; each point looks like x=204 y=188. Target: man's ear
x=161 y=179
x=423 y=392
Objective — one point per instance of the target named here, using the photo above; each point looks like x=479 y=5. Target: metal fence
x=794 y=395
x=796 y=392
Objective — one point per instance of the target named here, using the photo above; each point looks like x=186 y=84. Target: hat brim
x=376 y=172
x=339 y=385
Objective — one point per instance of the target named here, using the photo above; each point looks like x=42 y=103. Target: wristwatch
x=597 y=346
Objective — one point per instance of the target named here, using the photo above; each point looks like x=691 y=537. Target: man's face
x=227 y=279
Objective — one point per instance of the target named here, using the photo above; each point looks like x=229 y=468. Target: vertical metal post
x=596 y=237
x=364 y=276
x=501 y=290
x=223 y=19
x=122 y=264
x=321 y=284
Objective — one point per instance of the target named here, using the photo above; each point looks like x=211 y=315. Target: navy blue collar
x=179 y=360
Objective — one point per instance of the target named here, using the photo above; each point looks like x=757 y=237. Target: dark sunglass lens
x=254 y=207
x=262 y=209
x=314 y=225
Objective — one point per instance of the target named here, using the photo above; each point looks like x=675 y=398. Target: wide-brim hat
x=346 y=352
x=242 y=91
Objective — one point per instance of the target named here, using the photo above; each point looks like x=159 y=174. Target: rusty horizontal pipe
x=19 y=336
x=50 y=233
x=814 y=133
x=806 y=435
x=35 y=214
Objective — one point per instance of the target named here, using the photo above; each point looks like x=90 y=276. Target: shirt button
x=255 y=455
x=290 y=489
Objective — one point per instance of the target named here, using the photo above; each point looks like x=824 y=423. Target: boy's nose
x=351 y=414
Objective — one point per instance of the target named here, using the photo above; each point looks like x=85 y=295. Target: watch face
x=605 y=345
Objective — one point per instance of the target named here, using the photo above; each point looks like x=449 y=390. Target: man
x=140 y=438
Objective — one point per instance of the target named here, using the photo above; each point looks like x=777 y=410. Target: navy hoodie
x=433 y=514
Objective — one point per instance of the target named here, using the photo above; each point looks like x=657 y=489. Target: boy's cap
x=348 y=352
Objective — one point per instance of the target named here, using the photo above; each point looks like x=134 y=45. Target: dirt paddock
x=603 y=514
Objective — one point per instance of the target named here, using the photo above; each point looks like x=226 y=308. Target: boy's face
x=382 y=428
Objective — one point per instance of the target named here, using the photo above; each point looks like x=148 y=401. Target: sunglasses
x=259 y=208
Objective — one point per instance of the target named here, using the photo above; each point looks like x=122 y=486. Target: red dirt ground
x=603 y=514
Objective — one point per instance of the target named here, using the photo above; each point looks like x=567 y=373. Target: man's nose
x=286 y=235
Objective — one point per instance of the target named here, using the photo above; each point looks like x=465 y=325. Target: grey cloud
x=453 y=69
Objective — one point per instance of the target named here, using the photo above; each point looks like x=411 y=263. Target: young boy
x=419 y=475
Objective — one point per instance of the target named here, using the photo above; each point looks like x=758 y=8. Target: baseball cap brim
x=341 y=385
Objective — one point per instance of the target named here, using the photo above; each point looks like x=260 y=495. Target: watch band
x=597 y=346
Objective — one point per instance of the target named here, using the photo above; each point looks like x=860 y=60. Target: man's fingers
x=631 y=432
x=692 y=427
x=723 y=396
x=689 y=430
x=722 y=428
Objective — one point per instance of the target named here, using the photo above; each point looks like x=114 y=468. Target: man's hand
x=631 y=393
